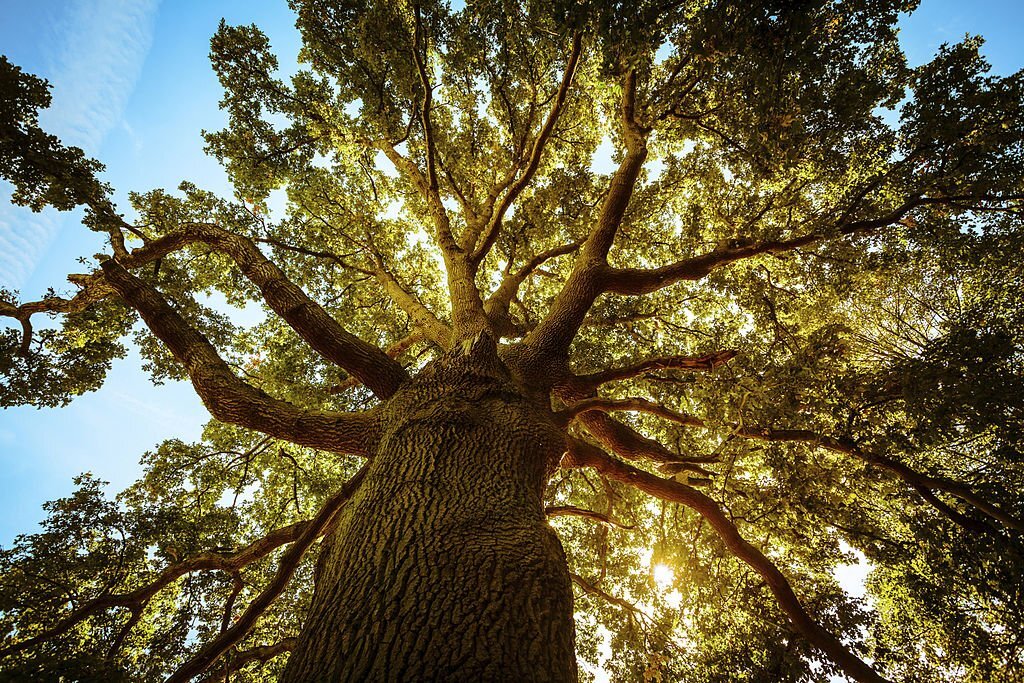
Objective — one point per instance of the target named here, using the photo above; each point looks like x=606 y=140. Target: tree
x=505 y=410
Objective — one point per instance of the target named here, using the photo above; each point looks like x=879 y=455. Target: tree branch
x=918 y=481
x=632 y=445
x=394 y=351
x=381 y=374
x=497 y=305
x=706 y=363
x=586 y=282
x=92 y=287
x=638 y=281
x=421 y=316
x=228 y=398
x=582 y=454
x=610 y=405
x=137 y=598
x=289 y=562
x=493 y=227
x=419 y=43
x=573 y=511
x=260 y=654
x=321 y=331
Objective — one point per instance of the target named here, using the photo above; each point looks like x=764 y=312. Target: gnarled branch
x=381 y=374
x=313 y=529
x=321 y=331
x=631 y=444
x=582 y=454
x=706 y=363
x=228 y=398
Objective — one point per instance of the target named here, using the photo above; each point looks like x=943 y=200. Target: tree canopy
x=784 y=331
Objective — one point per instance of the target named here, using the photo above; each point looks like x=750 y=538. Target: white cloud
x=96 y=59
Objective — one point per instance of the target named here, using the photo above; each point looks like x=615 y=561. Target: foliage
x=844 y=225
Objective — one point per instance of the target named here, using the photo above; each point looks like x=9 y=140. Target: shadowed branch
x=313 y=530
x=582 y=454
x=138 y=598
x=228 y=398
x=573 y=511
x=493 y=227
x=706 y=363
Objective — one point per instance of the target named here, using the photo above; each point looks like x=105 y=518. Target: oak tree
x=510 y=415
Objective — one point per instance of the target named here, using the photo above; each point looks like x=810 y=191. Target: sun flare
x=663 y=576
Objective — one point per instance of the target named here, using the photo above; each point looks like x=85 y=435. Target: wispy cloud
x=95 y=62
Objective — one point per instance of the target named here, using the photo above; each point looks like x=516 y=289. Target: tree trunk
x=442 y=566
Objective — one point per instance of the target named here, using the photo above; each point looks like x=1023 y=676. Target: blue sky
x=133 y=87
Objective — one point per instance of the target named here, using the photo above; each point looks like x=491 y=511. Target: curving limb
x=228 y=398
x=312 y=323
x=582 y=454
x=497 y=305
x=289 y=562
x=493 y=227
x=592 y=276
x=373 y=367
x=706 y=363
x=137 y=599
x=593 y=414
x=91 y=289
x=554 y=334
x=394 y=351
x=421 y=316
x=573 y=511
x=639 y=281
x=922 y=483
x=610 y=405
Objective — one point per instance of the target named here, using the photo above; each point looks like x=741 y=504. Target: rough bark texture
x=442 y=567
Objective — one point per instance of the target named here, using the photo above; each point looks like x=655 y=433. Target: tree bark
x=442 y=566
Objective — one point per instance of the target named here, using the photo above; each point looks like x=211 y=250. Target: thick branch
x=321 y=331
x=611 y=405
x=468 y=316
x=586 y=282
x=92 y=287
x=228 y=398
x=631 y=444
x=394 y=351
x=421 y=316
x=289 y=562
x=502 y=297
x=359 y=358
x=638 y=281
x=584 y=455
